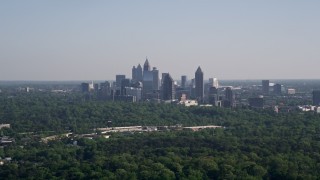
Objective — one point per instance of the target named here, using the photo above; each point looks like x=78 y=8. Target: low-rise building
x=4 y=126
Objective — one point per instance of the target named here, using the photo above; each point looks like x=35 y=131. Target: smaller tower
x=168 y=89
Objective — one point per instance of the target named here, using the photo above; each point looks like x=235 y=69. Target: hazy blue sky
x=229 y=39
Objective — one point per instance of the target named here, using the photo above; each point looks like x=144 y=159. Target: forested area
x=255 y=144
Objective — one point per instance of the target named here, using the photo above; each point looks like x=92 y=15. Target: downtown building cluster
x=146 y=84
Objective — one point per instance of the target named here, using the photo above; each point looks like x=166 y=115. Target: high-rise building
x=85 y=87
x=215 y=83
x=162 y=77
x=104 y=91
x=265 y=86
x=147 y=81
x=147 y=84
x=155 y=74
x=277 y=89
x=134 y=73
x=124 y=83
x=119 y=78
x=210 y=84
x=316 y=97
x=105 y=86
x=131 y=91
x=139 y=76
x=230 y=98
x=91 y=86
x=96 y=87
x=168 y=89
x=183 y=81
x=199 y=85
x=213 y=95
x=146 y=66
x=137 y=73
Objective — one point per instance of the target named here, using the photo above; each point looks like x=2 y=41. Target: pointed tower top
x=169 y=77
x=139 y=66
x=146 y=66
x=199 y=70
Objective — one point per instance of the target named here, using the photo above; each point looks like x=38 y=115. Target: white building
x=215 y=83
x=131 y=91
x=4 y=126
x=291 y=91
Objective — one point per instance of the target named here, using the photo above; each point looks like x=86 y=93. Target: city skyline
x=79 y=40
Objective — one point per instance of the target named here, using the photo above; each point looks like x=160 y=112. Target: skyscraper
x=277 y=89
x=134 y=73
x=229 y=101
x=162 y=77
x=316 y=97
x=210 y=82
x=85 y=87
x=139 y=76
x=147 y=81
x=183 y=81
x=105 y=90
x=265 y=86
x=119 y=78
x=168 y=89
x=215 y=83
x=155 y=74
x=146 y=66
x=199 y=85
x=124 y=83
x=213 y=95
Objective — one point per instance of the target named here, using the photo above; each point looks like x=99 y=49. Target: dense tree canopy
x=255 y=144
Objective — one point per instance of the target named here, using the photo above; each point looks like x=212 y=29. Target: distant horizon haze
x=230 y=40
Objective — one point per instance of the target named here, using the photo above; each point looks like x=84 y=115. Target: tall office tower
x=183 y=81
x=265 y=86
x=162 y=77
x=134 y=74
x=193 y=83
x=85 y=87
x=210 y=84
x=147 y=87
x=124 y=83
x=105 y=88
x=316 y=97
x=168 y=89
x=118 y=80
x=139 y=76
x=91 y=86
x=155 y=74
x=213 y=95
x=192 y=86
x=146 y=66
x=277 y=89
x=199 y=85
x=215 y=83
x=96 y=87
x=104 y=91
x=207 y=87
x=229 y=97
